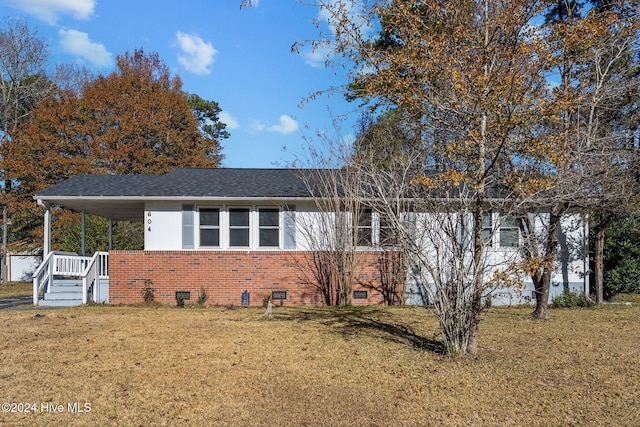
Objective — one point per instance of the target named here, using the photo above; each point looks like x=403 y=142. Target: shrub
x=571 y=299
x=148 y=291
x=179 y=301
x=202 y=297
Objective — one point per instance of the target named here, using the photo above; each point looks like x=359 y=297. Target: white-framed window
x=509 y=232
x=239 y=227
x=363 y=228
x=268 y=227
x=500 y=230
x=209 y=219
x=387 y=236
x=487 y=228
x=373 y=229
x=251 y=227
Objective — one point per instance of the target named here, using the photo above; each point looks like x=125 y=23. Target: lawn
x=16 y=289
x=317 y=366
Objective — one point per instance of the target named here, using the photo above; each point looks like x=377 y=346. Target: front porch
x=66 y=279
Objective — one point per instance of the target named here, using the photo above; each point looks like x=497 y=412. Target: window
x=210 y=227
x=253 y=227
x=363 y=228
x=239 y=227
x=487 y=228
x=269 y=227
x=509 y=232
x=387 y=236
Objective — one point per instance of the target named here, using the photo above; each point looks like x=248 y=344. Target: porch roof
x=122 y=197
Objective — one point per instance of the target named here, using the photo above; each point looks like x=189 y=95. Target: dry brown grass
x=633 y=298
x=16 y=289
x=318 y=366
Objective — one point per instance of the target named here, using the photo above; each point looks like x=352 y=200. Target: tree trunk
x=474 y=327
x=599 y=227
x=543 y=285
x=598 y=261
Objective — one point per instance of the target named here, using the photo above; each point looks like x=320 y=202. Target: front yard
x=315 y=366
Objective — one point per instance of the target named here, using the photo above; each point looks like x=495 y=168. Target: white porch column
x=110 y=234
x=82 y=234
x=46 y=244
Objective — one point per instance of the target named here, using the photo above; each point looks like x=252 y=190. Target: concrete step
x=59 y=303
x=66 y=288
x=64 y=282
x=51 y=296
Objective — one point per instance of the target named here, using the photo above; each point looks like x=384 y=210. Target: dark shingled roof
x=187 y=182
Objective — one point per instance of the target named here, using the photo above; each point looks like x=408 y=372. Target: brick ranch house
x=234 y=233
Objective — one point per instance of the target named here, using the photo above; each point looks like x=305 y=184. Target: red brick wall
x=224 y=275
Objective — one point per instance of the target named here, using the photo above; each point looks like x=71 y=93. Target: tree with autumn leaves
x=473 y=81
x=135 y=120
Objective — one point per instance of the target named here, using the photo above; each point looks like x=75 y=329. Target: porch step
x=67 y=282
x=63 y=293
x=57 y=296
x=55 y=289
x=59 y=303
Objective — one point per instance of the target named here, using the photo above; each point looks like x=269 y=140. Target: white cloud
x=196 y=54
x=78 y=43
x=286 y=126
x=331 y=13
x=257 y=126
x=229 y=120
x=317 y=57
x=50 y=10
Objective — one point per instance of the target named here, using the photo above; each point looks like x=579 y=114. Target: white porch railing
x=96 y=269
x=67 y=264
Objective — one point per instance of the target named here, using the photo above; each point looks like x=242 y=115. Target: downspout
x=585 y=258
x=46 y=244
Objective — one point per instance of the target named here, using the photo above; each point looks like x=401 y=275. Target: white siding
x=21 y=267
x=163 y=231
x=163 y=226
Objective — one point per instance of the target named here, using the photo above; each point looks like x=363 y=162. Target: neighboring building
x=236 y=234
x=21 y=266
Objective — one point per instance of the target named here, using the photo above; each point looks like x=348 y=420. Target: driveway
x=9 y=302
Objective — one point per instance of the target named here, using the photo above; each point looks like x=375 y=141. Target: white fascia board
x=54 y=199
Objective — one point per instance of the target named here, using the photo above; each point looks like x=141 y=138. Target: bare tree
x=607 y=117
x=23 y=60
x=433 y=217
x=329 y=230
x=597 y=57
x=468 y=78
x=23 y=82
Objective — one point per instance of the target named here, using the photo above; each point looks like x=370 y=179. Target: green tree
x=622 y=257
x=386 y=134
x=207 y=113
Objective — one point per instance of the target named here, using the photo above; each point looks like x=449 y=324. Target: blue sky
x=240 y=58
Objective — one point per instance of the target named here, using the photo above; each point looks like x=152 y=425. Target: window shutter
x=188 y=233
x=289 y=222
